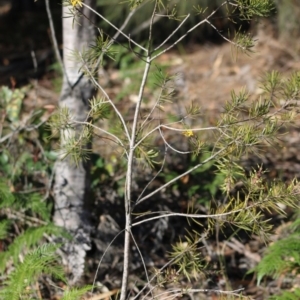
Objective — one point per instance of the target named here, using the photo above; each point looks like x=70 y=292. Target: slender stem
x=128 y=186
x=151 y=26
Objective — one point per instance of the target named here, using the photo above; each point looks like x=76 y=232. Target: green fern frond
x=42 y=260
x=287 y=295
x=4 y=226
x=281 y=258
x=28 y=239
x=295 y=226
x=7 y=199
x=32 y=203
x=76 y=293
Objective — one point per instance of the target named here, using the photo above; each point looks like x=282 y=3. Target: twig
x=110 y=102
x=142 y=259
x=182 y=175
x=115 y=27
x=178 y=27
x=117 y=140
x=170 y=262
x=172 y=148
x=179 y=292
x=102 y=257
x=189 y=31
x=155 y=176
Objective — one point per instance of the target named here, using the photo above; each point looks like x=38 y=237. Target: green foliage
x=93 y=57
x=100 y=109
x=42 y=260
x=29 y=239
x=75 y=293
x=282 y=258
x=187 y=258
x=25 y=208
x=25 y=150
x=249 y=9
x=171 y=13
x=131 y=64
x=4 y=227
x=286 y=295
x=26 y=204
x=57 y=78
x=29 y=259
x=11 y=101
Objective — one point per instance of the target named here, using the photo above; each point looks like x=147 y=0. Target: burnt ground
x=207 y=73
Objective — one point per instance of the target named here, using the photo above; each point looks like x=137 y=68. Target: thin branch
x=109 y=100
x=179 y=292
x=25 y=127
x=153 y=108
x=172 y=260
x=145 y=25
x=155 y=176
x=151 y=26
x=102 y=257
x=174 y=129
x=178 y=27
x=224 y=37
x=172 y=148
x=192 y=129
x=167 y=214
x=142 y=259
x=115 y=27
x=189 y=31
x=183 y=174
x=118 y=141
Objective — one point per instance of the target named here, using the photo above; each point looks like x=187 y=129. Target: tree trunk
x=71 y=189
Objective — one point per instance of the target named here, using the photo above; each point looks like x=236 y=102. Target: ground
x=206 y=75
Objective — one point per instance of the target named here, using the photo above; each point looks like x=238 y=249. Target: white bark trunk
x=71 y=187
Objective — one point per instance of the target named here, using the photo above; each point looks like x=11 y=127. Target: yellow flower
x=188 y=133
x=75 y=2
